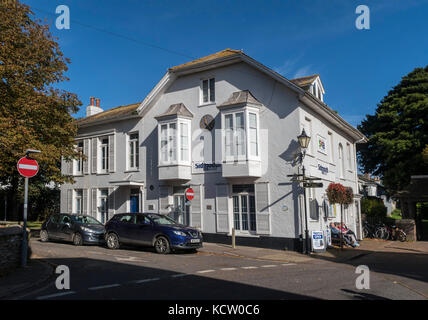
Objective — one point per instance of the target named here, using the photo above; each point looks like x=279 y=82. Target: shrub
x=373 y=207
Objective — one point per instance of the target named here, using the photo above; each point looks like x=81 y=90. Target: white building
x=226 y=126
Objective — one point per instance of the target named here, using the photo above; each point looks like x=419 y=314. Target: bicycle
x=398 y=234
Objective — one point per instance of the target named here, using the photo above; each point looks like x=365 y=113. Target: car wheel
x=162 y=245
x=112 y=241
x=77 y=239
x=44 y=237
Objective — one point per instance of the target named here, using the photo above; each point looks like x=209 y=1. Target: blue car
x=148 y=229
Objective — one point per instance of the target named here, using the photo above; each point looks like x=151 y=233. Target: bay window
x=174 y=143
x=241 y=135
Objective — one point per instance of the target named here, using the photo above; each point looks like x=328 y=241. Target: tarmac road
x=139 y=273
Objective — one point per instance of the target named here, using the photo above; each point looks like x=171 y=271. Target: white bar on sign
x=27 y=166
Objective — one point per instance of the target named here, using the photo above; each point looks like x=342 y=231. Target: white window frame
x=331 y=146
x=78 y=164
x=341 y=161
x=136 y=148
x=77 y=198
x=100 y=197
x=201 y=91
x=178 y=150
x=106 y=163
x=247 y=150
x=349 y=156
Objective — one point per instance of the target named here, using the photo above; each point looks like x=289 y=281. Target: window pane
x=228 y=119
x=253 y=134
x=244 y=210
x=164 y=142
x=240 y=134
x=237 y=223
x=205 y=90
x=184 y=141
x=252 y=213
x=172 y=142
x=212 y=90
x=131 y=154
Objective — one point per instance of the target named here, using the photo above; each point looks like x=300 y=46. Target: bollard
x=233 y=238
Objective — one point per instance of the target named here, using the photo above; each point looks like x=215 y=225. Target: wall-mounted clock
x=207 y=122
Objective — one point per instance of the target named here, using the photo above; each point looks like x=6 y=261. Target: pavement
x=33 y=275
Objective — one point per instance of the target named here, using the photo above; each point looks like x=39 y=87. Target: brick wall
x=10 y=247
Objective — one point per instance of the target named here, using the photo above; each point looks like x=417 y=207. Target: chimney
x=92 y=108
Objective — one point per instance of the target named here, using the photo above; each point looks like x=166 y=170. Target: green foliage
x=422 y=209
x=33 y=113
x=373 y=208
x=398 y=133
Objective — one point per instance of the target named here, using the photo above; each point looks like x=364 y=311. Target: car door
x=65 y=231
x=142 y=233
x=53 y=225
x=125 y=227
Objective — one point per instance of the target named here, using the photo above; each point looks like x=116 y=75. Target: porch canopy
x=127 y=183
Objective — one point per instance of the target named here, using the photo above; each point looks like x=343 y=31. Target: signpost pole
x=24 y=233
x=306 y=217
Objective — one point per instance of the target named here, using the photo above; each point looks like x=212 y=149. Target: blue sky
x=295 y=38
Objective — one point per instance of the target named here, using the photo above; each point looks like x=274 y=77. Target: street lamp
x=24 y=234
x=304 y=140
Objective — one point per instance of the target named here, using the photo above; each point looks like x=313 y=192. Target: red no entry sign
x=190 y=194
x=28 y=167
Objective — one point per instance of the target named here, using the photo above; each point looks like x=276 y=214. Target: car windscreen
x=85 y=220
x=159 y=219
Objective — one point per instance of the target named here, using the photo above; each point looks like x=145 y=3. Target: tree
x=33 y=114
x=398 y=133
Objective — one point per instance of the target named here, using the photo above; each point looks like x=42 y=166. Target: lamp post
x=304 y=139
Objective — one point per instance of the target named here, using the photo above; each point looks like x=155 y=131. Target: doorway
x=244 y=213
x=181 y=211
x=134 y=201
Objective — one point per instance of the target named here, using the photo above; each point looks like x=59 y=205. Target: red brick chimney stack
x=92 y=101
x=98 y=102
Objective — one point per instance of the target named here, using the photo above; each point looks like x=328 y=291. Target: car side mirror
x=68 y=224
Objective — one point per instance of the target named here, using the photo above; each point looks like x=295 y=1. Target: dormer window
x=208 y=91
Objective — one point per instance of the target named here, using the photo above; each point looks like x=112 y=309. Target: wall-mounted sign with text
x=205 y=167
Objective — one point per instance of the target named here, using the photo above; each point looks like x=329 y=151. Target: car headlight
x=87 y=229
x=180 y=233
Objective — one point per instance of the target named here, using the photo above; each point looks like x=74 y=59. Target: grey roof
x=111 y=114
x=178 y=109
x=241 y=97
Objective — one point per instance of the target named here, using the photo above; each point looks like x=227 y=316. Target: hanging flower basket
x=336 y=193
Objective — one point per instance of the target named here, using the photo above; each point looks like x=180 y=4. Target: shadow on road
x=155 y=284
x=404 y=264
